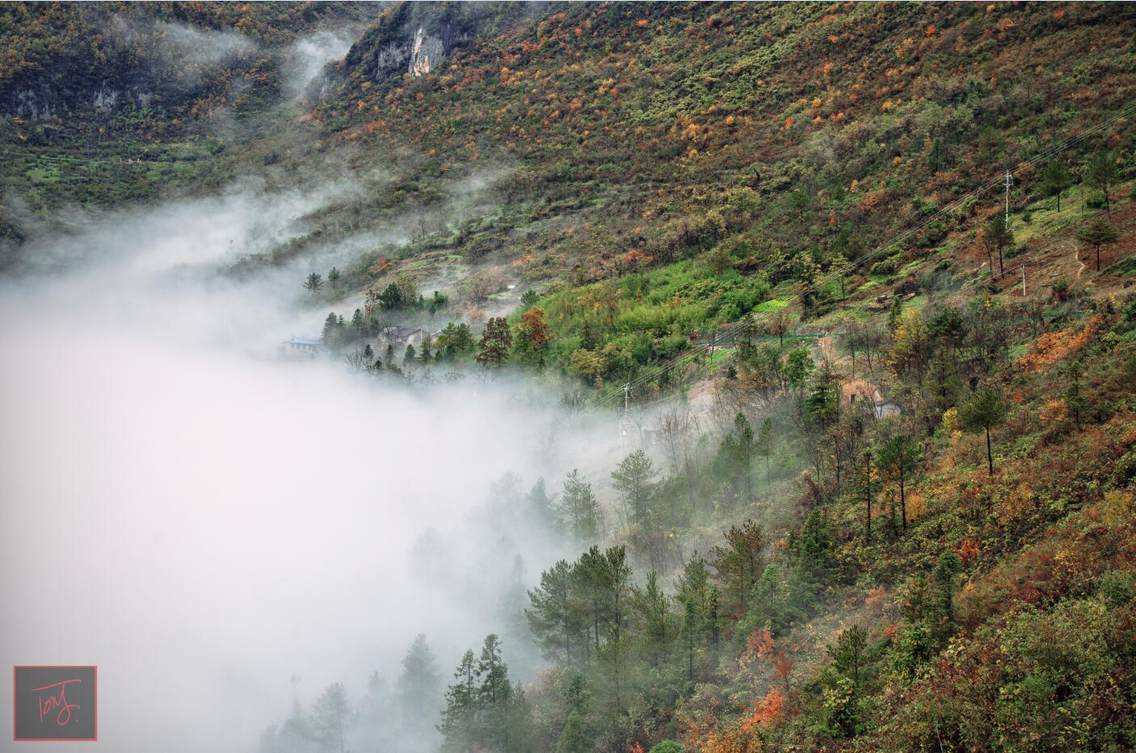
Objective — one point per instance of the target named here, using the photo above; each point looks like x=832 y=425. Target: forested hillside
x=854 y=279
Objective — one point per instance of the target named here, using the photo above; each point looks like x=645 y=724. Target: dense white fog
x=180 y=51
x=307 y=58
x=205 y=519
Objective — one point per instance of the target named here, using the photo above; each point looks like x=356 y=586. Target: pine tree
x=616 y=580
x=948 y=566
x=455 y=339
x=391 y=297
x=900 y=454
x=738 y=449
x=1101 y=174
x=553 y=616
x=634 y=481
x=982 y=412
x=376 y=707
x=331 y=331
x=848 y=655
x=995 y=239
x=460 y=713
x=575 y=735
x=864 y=485
x=330 y=717
x=1096 y=234
x=493 y=673
x=579 y=509
x=518 y=731
x=763 y=446
x=419 y=683
x=739 y=562
x=1055 y=179
x=494 y=694
x=653 y=614
x=590 y=576
x=798 y=366
x=844 y=681
x=541 y=505
x=496 y=341
x=812 y=547
x=313 y=282
x=698 y=598
x=437 y=302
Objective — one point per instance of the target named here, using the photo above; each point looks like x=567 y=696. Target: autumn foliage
x=1053 y=347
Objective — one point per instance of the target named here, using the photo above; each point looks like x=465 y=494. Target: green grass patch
x=772 y=305
x=44 y=174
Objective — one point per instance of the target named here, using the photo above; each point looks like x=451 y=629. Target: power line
x=678 y=360
x=658 y=370
x=1131 y=109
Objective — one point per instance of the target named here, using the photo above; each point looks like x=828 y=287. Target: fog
x=307 y=58
x=178 y=50
x=203 y=45
x=205 y=518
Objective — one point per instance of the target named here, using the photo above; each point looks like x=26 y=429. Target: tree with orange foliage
x=533 y=337
x=769 y=710
x=631 y=261
x=761 y=645
x=968 y=550
x=783 y=667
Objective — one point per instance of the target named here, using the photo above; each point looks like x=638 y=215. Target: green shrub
x=884 y=267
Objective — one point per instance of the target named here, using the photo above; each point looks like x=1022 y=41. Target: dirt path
x=1077 y=258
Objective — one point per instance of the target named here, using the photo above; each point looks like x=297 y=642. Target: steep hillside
x=835 y=143
x=858 y=278
x=766 y=176
x=114 y=102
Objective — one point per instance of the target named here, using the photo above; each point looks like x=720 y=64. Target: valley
x=575 y=377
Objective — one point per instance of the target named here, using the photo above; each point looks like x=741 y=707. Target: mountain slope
x=885 y=400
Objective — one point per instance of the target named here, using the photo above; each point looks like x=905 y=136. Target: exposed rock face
x=98 y=59
x=26 y=104
x=45 y=101
x=124 y=77
x=427 y=51
x=416 y=38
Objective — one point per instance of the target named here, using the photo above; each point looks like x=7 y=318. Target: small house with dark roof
x=306 y=346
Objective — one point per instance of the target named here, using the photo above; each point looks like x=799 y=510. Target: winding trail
x=1077 y=258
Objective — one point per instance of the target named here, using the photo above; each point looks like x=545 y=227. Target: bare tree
x=678 y=426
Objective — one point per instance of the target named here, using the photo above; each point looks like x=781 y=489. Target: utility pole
x=625 y=419
x=1009 y=181
x=1023 y=281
